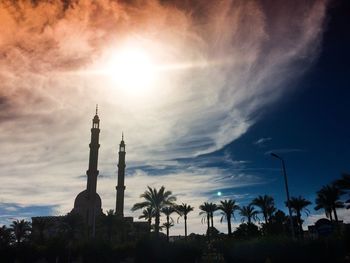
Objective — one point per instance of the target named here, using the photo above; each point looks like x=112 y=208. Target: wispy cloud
x=224 y=63
x=262 y=141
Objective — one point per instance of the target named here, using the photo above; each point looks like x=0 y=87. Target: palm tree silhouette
x=183 y=210
x=323 y=203
x=299 y=204
x=266 y=205
x=167 y=211
x=228 y=207
x=248 y=212
x=344 y=184
x=21 y=229
x=157 y=200
x=206 y=210
x=212 y=207
x=328 y=199
x=147 y=214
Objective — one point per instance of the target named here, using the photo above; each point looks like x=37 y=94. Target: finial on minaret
x=96 y=109
x=122 y=136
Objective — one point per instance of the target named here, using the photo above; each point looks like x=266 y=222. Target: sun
x=132 y=69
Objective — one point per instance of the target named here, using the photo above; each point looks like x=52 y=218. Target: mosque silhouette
x=87 y=209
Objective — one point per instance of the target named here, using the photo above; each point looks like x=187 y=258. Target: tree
x=147 y=214
x=5 y=236
x=322 y=202
x=21 y=229
x=156 y=200
x=167 y=211
x=328 y=199
x=228 y=207
x=248 y=212
x=212 y=207
x=299 y=204
x=344 y=184
x=109 y=222
x=266 y=205
x=206 y=210
x=183 y=210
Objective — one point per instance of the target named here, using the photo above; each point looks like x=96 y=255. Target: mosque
x=88 y=204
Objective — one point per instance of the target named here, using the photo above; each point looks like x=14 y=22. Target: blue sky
x=225 y=85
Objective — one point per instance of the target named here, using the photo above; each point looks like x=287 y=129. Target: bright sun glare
x=132 y=69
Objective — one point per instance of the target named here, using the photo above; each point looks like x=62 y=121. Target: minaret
x=88 y=203
x=121 y=176
x=94 y=145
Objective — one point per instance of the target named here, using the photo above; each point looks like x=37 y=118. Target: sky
x=203 y=91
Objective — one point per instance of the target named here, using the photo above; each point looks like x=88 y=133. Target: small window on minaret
x=122 y=148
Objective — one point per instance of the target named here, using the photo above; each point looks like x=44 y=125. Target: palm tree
x=344 y=184
x=20 y=229
x=212 y=207
x=323 y=203
x=329 y=196
x=266 y=205
x=148 y=214
x=183 y=210
x=167 y=211
x=206 y=210
x=228 y=207
x=248 y=212
x=157 y=200
x=299 y=204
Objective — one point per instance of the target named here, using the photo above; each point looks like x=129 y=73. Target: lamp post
x=287 y=191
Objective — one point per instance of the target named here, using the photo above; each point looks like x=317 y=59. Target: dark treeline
x=263 y=235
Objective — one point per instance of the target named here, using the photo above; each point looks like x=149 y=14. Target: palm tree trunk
x=265 y=217
x=212 y=219
x=300 y=223
x=185 y=217
x=167 y=228
x=208 y=223
x=335 y=214
x=156 y=225
x=150 y=223
x=229 y=229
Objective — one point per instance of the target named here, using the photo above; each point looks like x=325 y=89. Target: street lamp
x=287 y=191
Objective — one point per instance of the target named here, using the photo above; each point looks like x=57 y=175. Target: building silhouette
x=88 y=203
x=120 y=188
x=87 y=210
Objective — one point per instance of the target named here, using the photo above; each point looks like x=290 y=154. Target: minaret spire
x=119 y=208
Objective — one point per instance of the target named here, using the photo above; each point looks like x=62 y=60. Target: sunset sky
x=203 y=91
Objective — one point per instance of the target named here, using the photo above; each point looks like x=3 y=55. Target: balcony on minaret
x=96 y=122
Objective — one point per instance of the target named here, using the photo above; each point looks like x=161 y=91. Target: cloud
x=262 y=141
x=221 y=64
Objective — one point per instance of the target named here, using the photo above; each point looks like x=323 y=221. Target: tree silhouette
x=299 y=204
x=266 y=205
x=212 y=207
x=21 y=229
x=183 y=210
x=248 y=213
x=206 y=210
x=156 y=200
x=147 y=214
x=109 y=221
x=328 y=199
x=344 y=184
x=6 y=237
x=167 y=211
x=228 y=207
